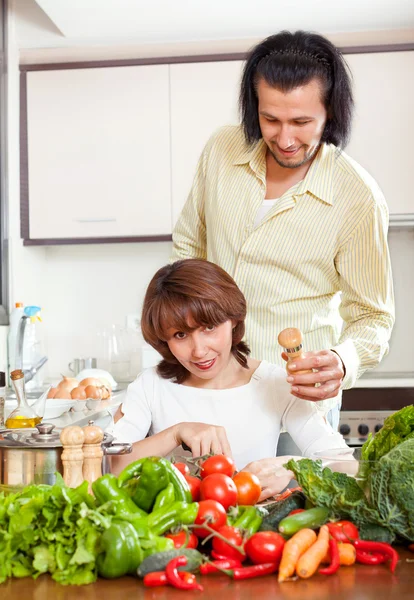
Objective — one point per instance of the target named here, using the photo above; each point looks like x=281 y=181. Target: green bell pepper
x=164 y=498
x=106 y=489
x=153 y=478
x=121 y=552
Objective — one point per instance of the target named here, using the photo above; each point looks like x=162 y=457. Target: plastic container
x=33 y=345
x=15 y=316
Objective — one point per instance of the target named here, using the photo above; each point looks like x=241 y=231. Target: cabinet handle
x=108 y=220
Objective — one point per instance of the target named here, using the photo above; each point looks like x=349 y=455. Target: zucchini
x=313 y=518
x=376 y=533
x=280 y=510
x=159 y=561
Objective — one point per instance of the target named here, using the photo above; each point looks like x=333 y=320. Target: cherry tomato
x=233 y=535
x=212 y=513
x=194 y=485
x=343 y=531
x=180 y=539
x=182 y=467
x=248 y=488
x=218 y=464
x=219 y=487
x=264 y=547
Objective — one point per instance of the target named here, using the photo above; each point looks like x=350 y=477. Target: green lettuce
x=50 y=529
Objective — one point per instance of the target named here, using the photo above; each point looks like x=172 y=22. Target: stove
x=355 y=425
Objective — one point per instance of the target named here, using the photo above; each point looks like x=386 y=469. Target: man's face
x=292 y=124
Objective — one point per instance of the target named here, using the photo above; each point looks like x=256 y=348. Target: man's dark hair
x=288 y=60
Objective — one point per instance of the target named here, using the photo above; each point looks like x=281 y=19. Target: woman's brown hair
x=195 y=291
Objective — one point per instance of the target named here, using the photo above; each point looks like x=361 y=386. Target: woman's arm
x=201 y=438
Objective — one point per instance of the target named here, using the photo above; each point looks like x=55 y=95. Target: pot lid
x=42 y=436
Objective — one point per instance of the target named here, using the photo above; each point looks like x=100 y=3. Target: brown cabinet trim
x=24 y=176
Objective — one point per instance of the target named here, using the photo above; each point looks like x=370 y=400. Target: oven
x=365 y=409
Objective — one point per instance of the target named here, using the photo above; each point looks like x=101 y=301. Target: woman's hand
x=272 y=475
x=202 y=438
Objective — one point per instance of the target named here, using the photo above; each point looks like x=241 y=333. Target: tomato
x=212 y=513
x=219 y=487
x=182 y=467
x=248 y=488
x=343 y=531
x=296 y=511
x=218 y=464
x=194 y=485
x=180 y=539
x=233 y=535
x=264 y=547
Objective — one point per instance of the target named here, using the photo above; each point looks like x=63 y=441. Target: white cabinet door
x=99 y=152
x=204 y=97
x=381 y=139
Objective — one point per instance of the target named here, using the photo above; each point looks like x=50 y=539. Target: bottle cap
x=2 y=379
x=18 y=304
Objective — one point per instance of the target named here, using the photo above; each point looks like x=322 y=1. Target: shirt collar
x=318 y=180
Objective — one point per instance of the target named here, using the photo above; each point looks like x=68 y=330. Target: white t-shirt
x=252 y=414
x=263 y=210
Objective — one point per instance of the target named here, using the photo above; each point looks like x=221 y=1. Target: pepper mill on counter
x=291 y=341
x=92 y=453
x=72 y=439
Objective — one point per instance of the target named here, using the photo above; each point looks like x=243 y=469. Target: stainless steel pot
x=34 y=455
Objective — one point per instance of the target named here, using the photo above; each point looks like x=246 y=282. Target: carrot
x=293 y=550
x=347 y=554
x=309 y=562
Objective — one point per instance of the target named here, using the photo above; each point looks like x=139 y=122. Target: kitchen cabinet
x=383 y=125
x=98 y=153
x=204 y=97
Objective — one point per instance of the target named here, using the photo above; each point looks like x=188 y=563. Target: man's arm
x=189 y=234
x=367 y=307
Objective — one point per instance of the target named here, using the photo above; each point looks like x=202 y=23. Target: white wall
x=83 y=288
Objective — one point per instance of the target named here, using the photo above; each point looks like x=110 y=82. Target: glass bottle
x=23 y=415
x=2 y=396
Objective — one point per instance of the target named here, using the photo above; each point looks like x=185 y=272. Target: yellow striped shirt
x=318 y=260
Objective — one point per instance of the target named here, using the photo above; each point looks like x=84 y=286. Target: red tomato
x=343 y=531
x=180 y=538
x=296 y=511
x=182 y=467
x=218 y=464
x=248 y=488
x=233 y=535
x=264 y=547
x=194 y=485
x=219 y=487
x=212 y=513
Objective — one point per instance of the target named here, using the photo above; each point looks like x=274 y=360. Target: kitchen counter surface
x=359 y=582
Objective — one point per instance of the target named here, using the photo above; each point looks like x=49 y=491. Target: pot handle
x=117 y=449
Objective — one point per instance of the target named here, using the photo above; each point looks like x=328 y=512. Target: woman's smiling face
x=204 y=351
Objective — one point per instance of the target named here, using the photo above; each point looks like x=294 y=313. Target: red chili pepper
x=334 y=554
x=174 y=578
x=287 y=493
x=411 y=547
x=381 y=548
x=254 y=571
x=158 y=578
x=219 y=565
x=368 y=558
x=218 y=556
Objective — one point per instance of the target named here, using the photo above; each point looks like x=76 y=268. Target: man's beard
x=308 y=156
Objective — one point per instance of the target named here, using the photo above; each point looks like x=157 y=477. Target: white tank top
x=264 y=209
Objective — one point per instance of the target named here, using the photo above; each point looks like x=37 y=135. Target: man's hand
x=329 y=374
x=202 y=438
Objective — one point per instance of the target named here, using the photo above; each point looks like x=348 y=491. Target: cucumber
x=159 y=561
x=313 y=518
x=280 y=510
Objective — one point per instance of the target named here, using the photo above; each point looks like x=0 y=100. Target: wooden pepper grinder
x=92 y=453
x=291 y=341
x=72 y=438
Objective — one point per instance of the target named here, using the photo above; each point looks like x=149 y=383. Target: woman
x=207 y=392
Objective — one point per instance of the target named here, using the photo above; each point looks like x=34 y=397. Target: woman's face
x=205 y=352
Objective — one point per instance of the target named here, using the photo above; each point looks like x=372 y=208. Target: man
x=300 y=226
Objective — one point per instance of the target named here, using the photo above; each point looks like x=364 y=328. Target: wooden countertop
x=359 y=582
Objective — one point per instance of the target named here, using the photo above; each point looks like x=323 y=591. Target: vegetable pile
x=381 y=497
